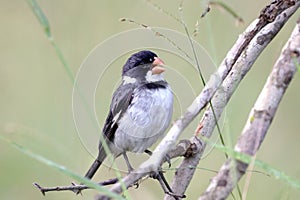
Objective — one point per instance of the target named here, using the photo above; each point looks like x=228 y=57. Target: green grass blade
x=45 y=23
x=227 y=9
x=270 y=170
x=36 y=9
x=200 y=72
x=296 y=63
x=62 y=169
x=41 y=17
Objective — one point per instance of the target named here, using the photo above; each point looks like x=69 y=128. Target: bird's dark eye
x=151 y=59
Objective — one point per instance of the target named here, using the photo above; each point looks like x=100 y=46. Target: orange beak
x=157 y=66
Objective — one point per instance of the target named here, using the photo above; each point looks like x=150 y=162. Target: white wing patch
x=128 y=79
x=115 y=119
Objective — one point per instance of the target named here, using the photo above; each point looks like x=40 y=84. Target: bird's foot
x=168 y=160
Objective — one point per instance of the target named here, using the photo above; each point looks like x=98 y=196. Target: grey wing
x=122 y=98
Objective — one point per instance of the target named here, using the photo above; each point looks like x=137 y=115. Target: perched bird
x=140 y=111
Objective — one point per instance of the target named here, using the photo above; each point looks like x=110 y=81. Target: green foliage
x=63 y=169
x=45 y=24
x=278 y=174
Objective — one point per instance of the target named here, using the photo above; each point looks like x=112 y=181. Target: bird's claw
x=154 y=175
x=136 y=185
x=168 y=160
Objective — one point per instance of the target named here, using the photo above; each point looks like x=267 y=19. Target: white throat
x=154 y=77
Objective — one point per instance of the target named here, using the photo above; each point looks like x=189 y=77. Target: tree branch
x=252 y=42
x=259 y=119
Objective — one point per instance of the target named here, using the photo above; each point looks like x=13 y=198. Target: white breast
x=145 y=121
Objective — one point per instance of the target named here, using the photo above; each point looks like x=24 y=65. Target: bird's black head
x=137 y=59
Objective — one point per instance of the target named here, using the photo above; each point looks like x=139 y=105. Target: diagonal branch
x=259 y=119
x=252 y=42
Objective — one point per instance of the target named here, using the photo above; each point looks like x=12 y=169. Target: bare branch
x=73 y=187
x=259 y=119
x=252 y=42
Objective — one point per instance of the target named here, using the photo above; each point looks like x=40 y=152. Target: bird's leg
x=164 y=184
x=129 y=167
x=167 y=157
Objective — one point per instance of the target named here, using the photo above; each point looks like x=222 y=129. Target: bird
x=140 y=111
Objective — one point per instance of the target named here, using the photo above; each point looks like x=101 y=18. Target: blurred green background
x=36 y=93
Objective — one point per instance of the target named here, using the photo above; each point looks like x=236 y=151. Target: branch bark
x=252 y=42
x=259 y=119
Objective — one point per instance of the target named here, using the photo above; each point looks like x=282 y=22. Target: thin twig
x=157 y=33
x=73 y=187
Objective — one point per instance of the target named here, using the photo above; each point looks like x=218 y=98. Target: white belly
x=145 y=121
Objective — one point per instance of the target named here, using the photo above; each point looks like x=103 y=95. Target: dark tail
x=93 y=169
x=96 y=164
